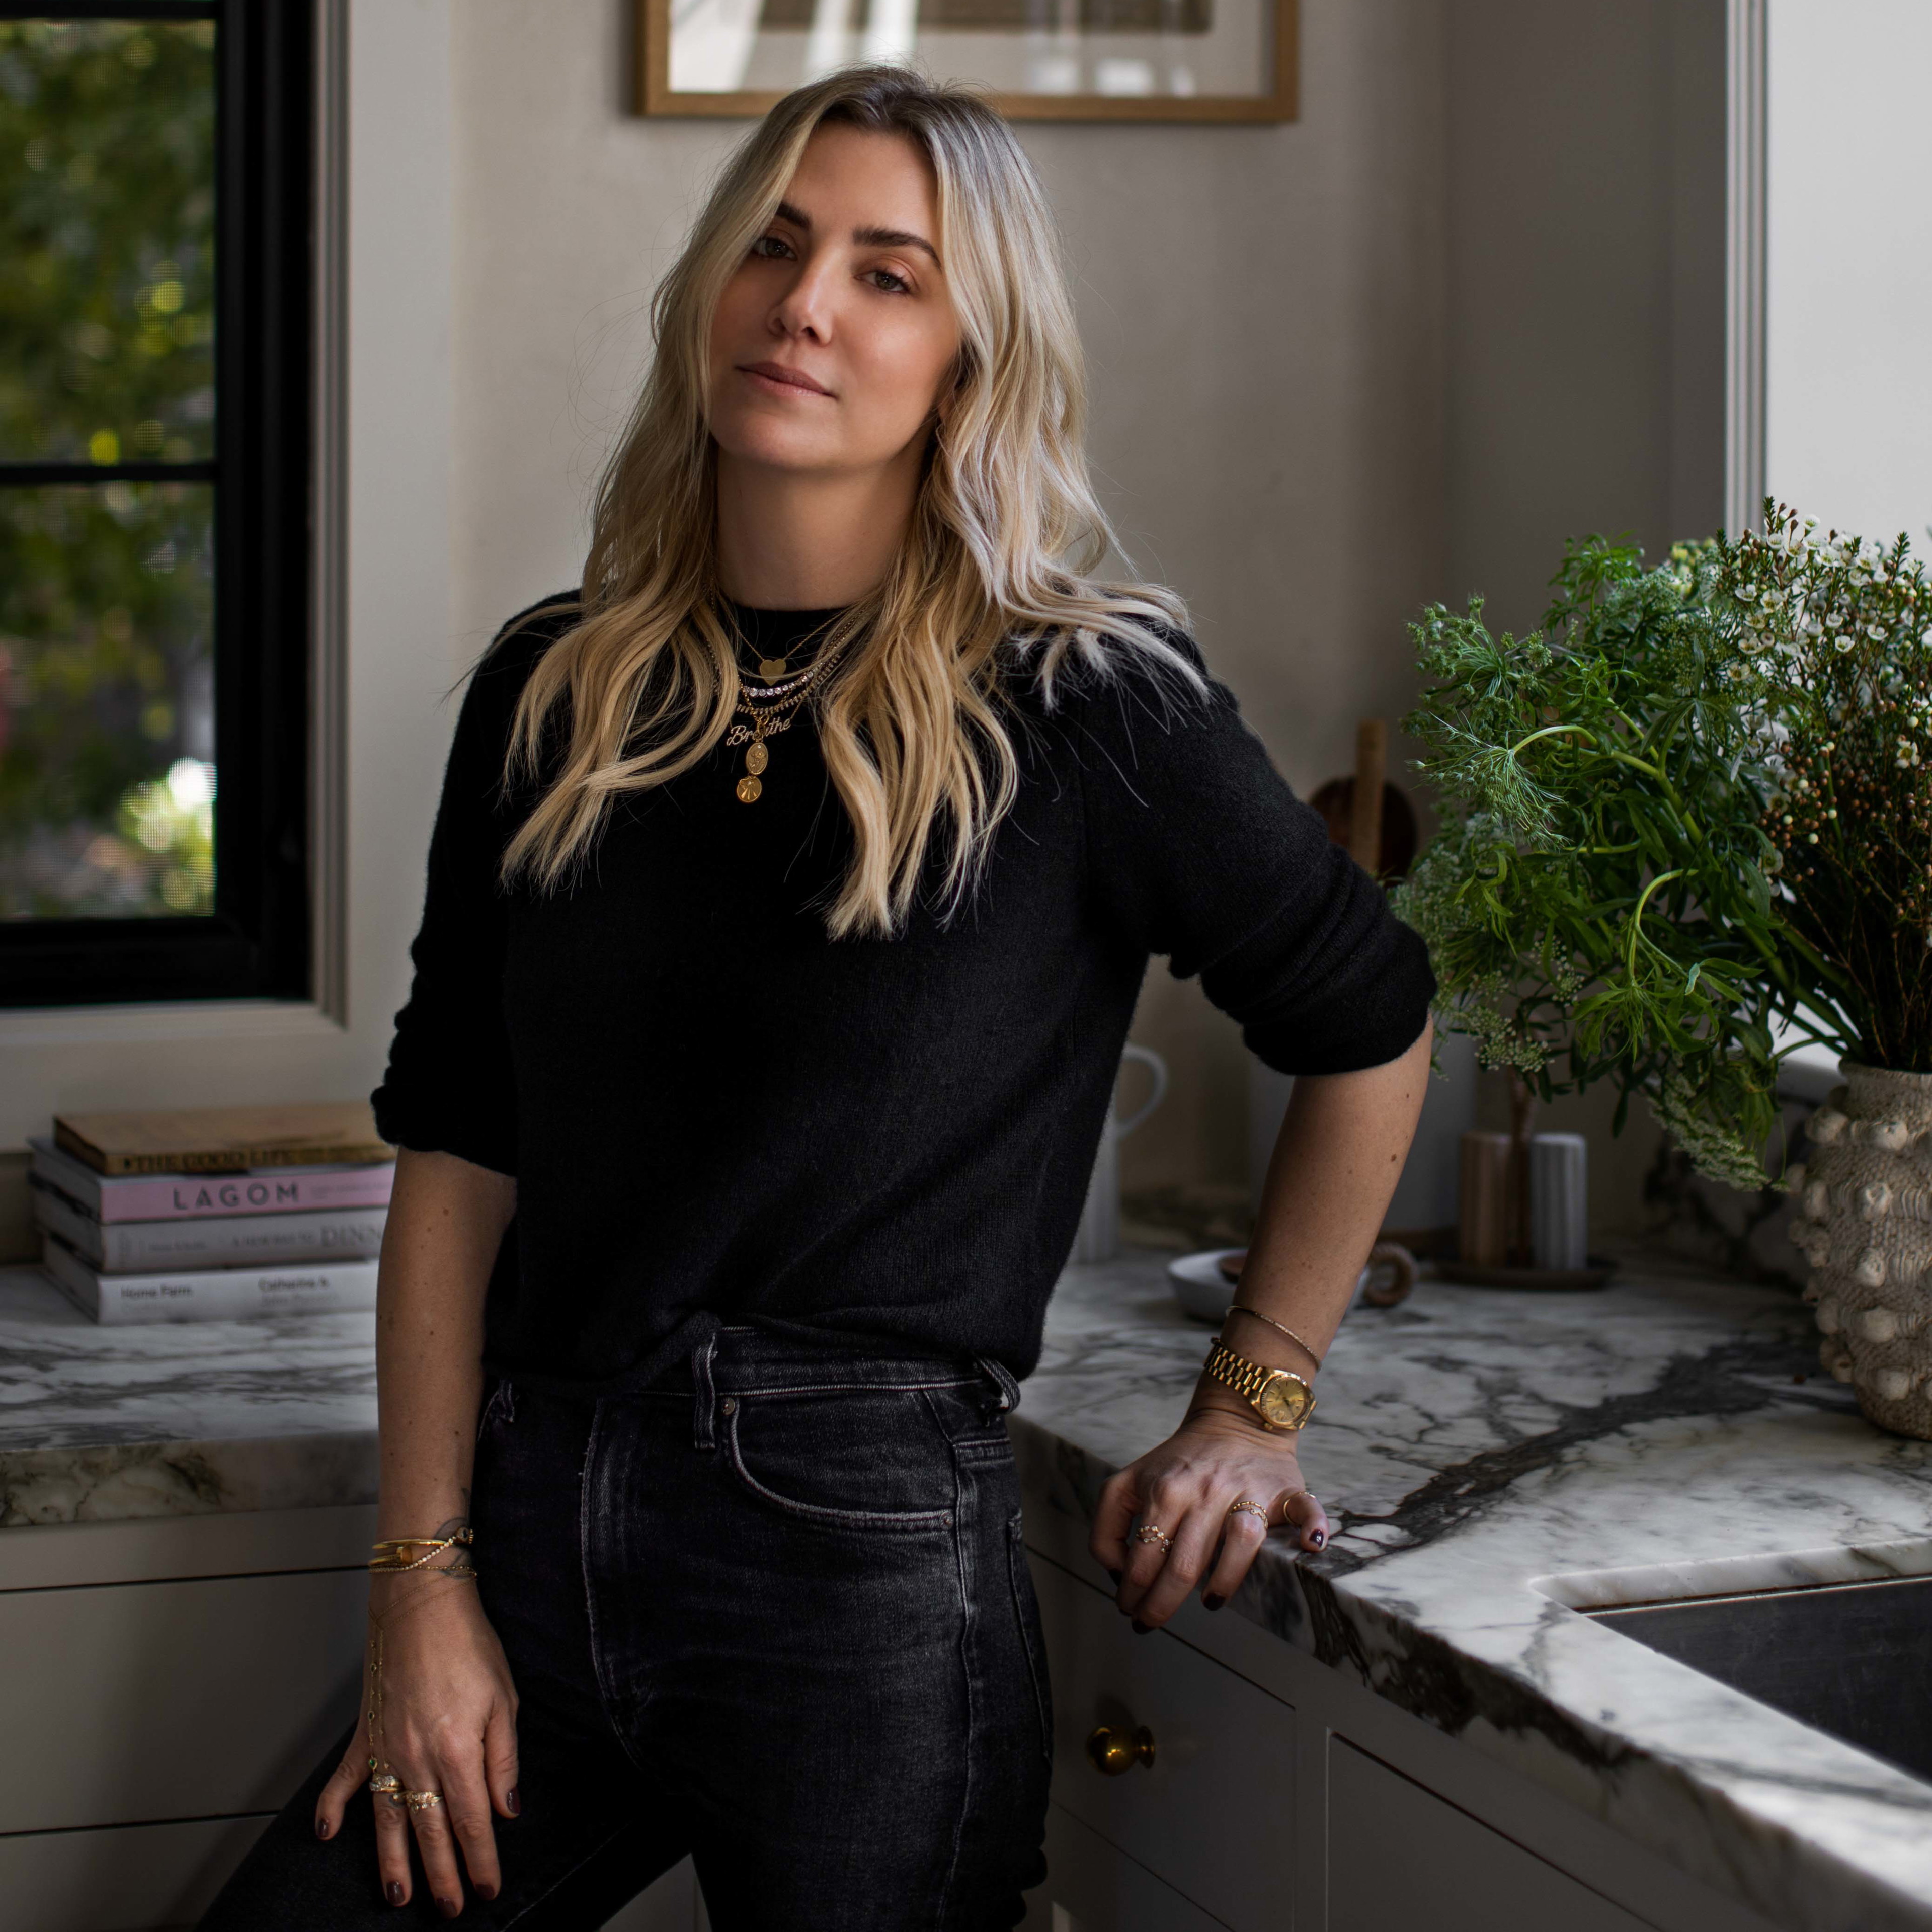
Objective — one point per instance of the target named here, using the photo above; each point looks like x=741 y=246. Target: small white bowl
x=1199 y=1286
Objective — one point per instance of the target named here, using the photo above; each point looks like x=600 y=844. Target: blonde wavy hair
x=993 y=566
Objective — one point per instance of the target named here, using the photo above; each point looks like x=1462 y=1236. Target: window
x=153 y=484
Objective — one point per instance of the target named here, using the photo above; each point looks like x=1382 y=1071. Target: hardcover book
x=129 y=1247
x=209 y=1295
x=222 y=1140
x=171 y=1197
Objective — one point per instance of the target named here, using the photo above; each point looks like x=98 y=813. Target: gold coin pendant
x=772 y=669
x=748 y=789
x=757 y=758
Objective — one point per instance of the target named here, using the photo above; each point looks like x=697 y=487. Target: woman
x=791 y=890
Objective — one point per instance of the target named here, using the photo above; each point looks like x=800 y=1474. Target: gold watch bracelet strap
x=1251 y=1380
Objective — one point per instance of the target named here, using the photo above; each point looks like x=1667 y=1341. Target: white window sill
x=34 y=1026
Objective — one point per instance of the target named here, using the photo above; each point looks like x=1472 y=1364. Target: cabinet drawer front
x=196 y=1699
x=1213 y=1816
x=1399 y=1857
x=1092 y=1887
x=127 y=1880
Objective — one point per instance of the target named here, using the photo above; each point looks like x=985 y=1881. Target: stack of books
x=207 y=1213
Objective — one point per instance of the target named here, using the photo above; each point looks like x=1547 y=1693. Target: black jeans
x=775 y=1612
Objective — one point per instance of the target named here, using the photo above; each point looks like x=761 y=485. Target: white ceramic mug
x=1098 y=1238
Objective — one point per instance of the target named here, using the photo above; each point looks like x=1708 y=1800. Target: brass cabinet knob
x=1113 y=1749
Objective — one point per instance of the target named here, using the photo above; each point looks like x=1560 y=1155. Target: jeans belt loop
x=1001 y=1378
x=704 y=1403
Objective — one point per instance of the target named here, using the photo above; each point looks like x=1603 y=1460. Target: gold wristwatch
x=1282 y=1400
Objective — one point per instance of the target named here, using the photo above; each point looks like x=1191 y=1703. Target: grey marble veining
x=100 y=1424
x=1492 y=1463
x=1489 y=1459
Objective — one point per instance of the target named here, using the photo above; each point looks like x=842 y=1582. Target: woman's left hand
x=1185 y=1488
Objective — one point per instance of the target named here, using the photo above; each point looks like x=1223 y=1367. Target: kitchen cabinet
x=1279 y=1797
x=1202 y=1804
x=1399 y=1856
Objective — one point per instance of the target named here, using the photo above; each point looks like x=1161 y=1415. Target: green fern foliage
x=1603 y=902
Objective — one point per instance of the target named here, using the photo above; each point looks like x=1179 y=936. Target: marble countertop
x=100 y=1425
x=1488 y=1460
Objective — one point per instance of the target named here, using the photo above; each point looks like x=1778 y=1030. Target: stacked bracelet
x=392 y=1552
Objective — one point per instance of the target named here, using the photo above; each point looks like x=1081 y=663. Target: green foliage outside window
x=106 y=357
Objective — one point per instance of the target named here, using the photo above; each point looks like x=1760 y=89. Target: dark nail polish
x=1212 y=1602
x=450 y=1908
x=515 y=1803
x=322 y=1827
x=395 y=1890
x=1141 y=1629
x=1319 y=1537
x=486 y=1891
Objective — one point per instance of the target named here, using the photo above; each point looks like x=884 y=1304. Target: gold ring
x=386 y=1784
x=1251 y=1507
x=422 y=1801
x=1151 y=1533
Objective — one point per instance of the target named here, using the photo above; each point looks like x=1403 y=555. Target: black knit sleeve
x=450 y=1085
x=1198 y=849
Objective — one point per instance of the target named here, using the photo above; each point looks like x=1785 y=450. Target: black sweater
x=711 y=1109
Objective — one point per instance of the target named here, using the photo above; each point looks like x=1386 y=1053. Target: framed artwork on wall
x=1042 y=60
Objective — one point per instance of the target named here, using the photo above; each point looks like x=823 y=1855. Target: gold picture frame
x=1279 y=71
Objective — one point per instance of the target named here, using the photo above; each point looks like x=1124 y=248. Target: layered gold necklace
x=771 y=707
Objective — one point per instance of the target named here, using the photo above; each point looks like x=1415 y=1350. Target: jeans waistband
x=728 y=1361
x=707 y=1355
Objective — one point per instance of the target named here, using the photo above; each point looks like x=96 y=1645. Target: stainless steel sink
x=1852 y=1659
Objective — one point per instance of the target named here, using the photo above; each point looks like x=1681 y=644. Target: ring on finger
x=1247 y=1505
x=386 y=1784
x=422 y=1801
x=1152 y=1533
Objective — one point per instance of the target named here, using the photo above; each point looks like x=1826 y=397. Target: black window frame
x=257 y=943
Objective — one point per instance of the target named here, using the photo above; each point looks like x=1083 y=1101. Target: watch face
x=1283 y=1401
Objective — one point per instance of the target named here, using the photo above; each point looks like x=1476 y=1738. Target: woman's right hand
x=449 y=1724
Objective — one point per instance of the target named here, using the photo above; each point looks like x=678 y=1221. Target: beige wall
x=1584 y=176
x=1262 y=306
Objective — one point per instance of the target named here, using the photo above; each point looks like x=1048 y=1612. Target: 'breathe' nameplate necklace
x=773 y=715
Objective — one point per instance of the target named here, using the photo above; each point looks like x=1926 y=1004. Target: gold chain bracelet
x=391 y=1552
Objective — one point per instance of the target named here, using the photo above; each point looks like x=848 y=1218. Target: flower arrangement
x=1694 y=807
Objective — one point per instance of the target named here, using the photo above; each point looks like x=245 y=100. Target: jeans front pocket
x=844 y=1458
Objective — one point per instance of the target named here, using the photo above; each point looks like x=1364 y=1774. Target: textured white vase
x=1864 y=1221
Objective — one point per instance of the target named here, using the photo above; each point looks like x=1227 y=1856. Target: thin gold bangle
x=1242 y=1308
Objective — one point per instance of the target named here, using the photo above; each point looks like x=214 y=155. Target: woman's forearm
x=447 y=1217
x=1335 y=1166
